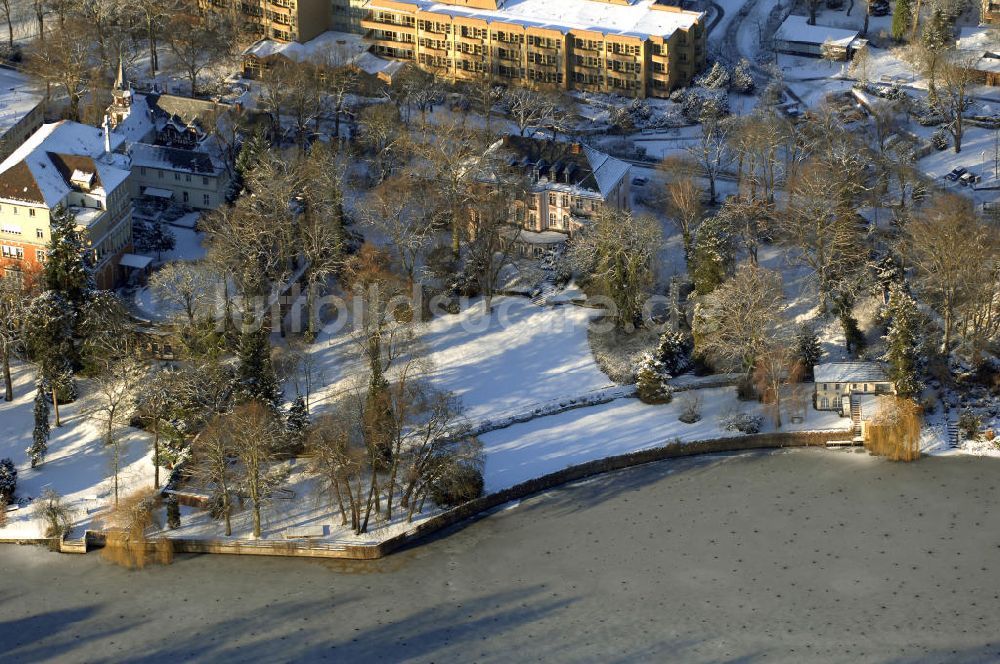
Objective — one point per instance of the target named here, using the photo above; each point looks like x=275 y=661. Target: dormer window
x=82 y=179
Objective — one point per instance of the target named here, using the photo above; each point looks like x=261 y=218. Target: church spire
x=120 y=83
x=121 y=97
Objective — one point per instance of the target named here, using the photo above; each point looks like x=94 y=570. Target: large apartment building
x=281 y=20
x=637 y=48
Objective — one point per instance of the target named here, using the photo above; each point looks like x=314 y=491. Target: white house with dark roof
x=570 y=183
x=842 y=386
x=795 y=36
x=194 y=178
x=171 y=151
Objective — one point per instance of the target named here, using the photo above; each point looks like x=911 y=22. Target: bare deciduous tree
x=954 y=254
x=819 y=222
x=255 y=436
x=736 y=323
x=685 y=210
x=396 y=210
x=64 y=59
x=212 y=465
x=712 y=152
x=528 y=108
x=114 y=398
x=17 y=288
x=955 y=74
x=185 y=284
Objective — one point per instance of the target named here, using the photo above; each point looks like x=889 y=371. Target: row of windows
x=177 y=177
x=16 y=230
x=444 y=28
x=276 y=17
x=14 y=210
x=538 y=58
x=389 y=17
x=15 y=253
x=545 y=76
x=563 y=201
x=544 y=42
x=385 y=35
x=554 y=221
x=867 y=387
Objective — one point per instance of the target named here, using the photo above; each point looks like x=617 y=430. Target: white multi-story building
x=569 y=184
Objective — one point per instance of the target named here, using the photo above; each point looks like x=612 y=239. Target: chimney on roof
x=574 y=148
x=107 y=135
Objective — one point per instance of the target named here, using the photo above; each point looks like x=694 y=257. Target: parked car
x=955 y=174
x=879 y=8
x=639 y=182
x=968 y=179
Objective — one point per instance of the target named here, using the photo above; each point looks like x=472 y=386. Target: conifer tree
x=674 y=352
x=807 y=348
x=256 y=380
x=902 y=339
x=937 y=35
x=66 y=263
x=8 y=481
x=297 y=420
x=651 y=382
x=902 y=17
x=40 y=435
x=712 y=257
x=49 y=322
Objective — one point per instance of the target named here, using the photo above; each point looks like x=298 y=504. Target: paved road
x=794 y=556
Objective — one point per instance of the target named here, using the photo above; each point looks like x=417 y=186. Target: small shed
x=796 y=37
x=982 y=41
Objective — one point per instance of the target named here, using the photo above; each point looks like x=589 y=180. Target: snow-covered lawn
x=77 y=465
x=520 y=356
x=548 y=444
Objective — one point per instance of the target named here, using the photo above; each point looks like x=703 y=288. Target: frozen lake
x=794 y=556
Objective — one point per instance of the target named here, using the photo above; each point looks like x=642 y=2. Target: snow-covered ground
x=78 y=464
x=301 y=504
x=520 y=356
x=548 y=444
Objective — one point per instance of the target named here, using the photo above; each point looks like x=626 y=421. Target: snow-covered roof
x=981 y=37
x=135 y=261
x=797 y=29
x=633 y=18
x=139 y=125
x=569 y=167
x=197 y=162
x=156 y=192
x=849 y=372
x=16 y=101
x=344 y=46
x=41 y=169
x=330 y=47
x=608 y=171
x=373 y=65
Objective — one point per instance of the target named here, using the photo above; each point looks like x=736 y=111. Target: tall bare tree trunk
x=8 y=382
x=156 y=455
x=55 y=406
